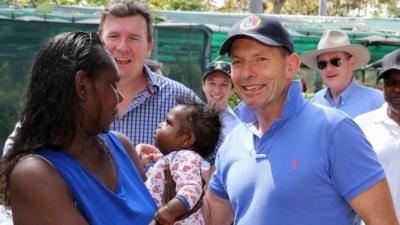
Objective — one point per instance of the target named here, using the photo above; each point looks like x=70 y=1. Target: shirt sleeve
x=186 y=172
x=354 y=165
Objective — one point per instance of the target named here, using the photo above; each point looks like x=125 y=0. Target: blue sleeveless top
x=131 y=203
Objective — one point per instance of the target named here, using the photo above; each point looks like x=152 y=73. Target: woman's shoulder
x=34 y=175
x=32 y=165
x=33 y=168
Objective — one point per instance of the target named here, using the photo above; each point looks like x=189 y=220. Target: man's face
x=391 y=90
x=217 y=88
x=126 y=39
x=336 y=77
x=261 y=74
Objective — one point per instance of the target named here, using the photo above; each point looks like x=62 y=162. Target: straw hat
x=332 y=41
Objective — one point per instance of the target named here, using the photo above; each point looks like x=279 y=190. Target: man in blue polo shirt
x=335 y=60
x=290 y=161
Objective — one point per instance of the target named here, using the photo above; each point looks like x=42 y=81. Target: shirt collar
x=293 y=103
x=153 y=83
x=345 y=95
x=384 y=117
x=228 y=111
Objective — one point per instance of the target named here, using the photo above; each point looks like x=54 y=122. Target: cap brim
x=226 y=46
x=215 y=70
x=360 y=53
x=386 y=71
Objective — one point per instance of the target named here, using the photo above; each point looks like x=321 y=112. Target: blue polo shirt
x=302 y=170
x=356 y=99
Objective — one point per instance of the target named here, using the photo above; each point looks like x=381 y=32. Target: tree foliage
x=184 y=5
x=310 y=7
x=290 y=7
x=35 y=3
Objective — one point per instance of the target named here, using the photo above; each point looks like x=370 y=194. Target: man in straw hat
x=336 y=59
x=382 y=126
x=289 y=161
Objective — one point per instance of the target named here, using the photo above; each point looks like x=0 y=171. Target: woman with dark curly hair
x=65 y=166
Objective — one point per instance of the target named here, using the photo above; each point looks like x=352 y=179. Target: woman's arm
x=40 y=196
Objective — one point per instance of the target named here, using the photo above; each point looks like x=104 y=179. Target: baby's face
x=167 y=136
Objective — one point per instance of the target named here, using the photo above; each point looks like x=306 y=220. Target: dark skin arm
x=175 y=209
x=170 y=212
x=132 y=153
x=40 y=196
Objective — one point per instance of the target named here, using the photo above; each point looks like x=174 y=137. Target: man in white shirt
x=382 y=126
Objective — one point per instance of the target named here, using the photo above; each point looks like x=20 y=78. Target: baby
x=189 y=133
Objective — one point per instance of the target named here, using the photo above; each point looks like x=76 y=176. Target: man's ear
x=81 y=84
x=352 y=62
x=149 y=48
x=293 y=65
x=188 y=140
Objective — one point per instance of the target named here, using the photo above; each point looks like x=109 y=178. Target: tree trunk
x=278 y=5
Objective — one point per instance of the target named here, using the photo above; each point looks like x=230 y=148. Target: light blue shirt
x=150 y=107
x=229 y=121
x=356 y=99
x=303 y=170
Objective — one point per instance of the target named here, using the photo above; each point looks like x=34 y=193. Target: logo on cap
x=250 y=22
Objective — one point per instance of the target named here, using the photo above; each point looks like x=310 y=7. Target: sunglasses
x=220 y=65
x=321 y=64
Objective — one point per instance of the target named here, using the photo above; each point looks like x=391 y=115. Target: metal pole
x=256 y=6
x=322 y=8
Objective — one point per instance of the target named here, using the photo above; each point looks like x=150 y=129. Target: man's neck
x=130 y=87
x=270 y=113
x=335 y=92
x=394 y=116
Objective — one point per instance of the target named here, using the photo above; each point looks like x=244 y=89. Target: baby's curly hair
x=204 y=121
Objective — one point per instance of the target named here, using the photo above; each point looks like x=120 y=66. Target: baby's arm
x=186 y=172
x=169 y=213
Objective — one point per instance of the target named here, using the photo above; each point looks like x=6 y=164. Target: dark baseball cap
x=390 y=62
x=221 y=66
x=266 y=29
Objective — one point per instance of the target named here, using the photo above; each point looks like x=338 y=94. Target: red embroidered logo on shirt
x=295 y=164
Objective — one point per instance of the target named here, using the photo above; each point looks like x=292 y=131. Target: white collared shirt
x=384 y=135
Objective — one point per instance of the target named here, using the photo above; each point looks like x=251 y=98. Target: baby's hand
x=165 y=216
x=147 y=159
x=144 y=150
x=147 y=153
